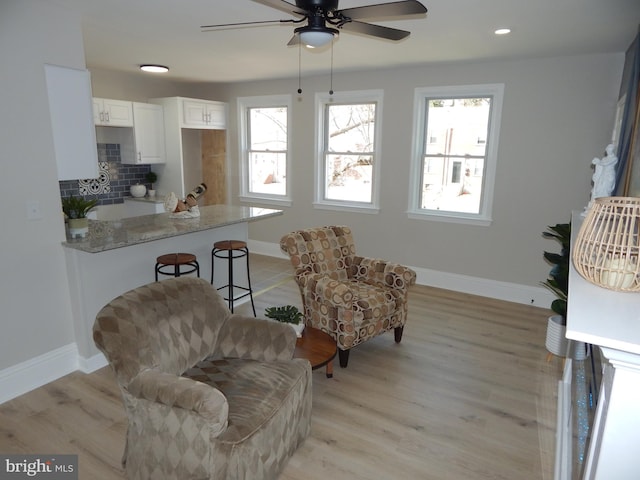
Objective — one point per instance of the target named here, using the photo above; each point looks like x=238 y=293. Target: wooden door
x=214 y=168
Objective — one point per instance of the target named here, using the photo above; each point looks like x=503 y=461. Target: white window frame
x=421 y=96
x=361 y=96
x=267 y=101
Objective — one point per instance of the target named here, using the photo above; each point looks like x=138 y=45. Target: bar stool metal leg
x=253 y=307
x=235 y=249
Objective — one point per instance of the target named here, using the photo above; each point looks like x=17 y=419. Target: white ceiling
x=122 y=34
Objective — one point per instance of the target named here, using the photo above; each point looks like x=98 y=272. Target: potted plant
x=76 y=209
x=558 y=284
x=287 y=314
x=151 y=177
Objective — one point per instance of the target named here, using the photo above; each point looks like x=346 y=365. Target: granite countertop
x=108 y=235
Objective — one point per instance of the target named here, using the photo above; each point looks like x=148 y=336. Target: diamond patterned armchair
x=208 y=394
x=350 y=297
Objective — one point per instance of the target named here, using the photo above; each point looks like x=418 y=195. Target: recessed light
x=154 y=68
x=502 y=31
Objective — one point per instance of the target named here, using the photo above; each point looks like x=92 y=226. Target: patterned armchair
x=208 y=394
x=350 y=297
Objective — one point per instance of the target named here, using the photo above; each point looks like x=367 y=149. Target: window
x=347 y=162
x=264 y=147
x=454 y=156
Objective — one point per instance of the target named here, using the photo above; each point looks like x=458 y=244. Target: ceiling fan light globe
x=315 y=39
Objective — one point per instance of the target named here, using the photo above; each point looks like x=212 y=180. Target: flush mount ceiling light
x=502 y=31
x=154 y=68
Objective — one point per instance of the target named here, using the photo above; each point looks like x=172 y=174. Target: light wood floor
x=467 y=395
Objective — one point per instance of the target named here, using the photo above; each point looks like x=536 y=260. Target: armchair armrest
x=185 y=393
x=256 y=338
x=383 y=273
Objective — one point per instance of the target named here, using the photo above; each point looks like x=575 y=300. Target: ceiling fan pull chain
x=331 y=76
x=299 y=68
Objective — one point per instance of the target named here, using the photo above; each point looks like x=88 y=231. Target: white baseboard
x=510 y=292
x=88 y=365
x=38 y=371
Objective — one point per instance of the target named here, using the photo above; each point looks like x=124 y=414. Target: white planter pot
x=556 y=341
x=78 y=227
x=299 y=328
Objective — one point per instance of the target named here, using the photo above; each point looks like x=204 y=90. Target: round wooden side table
x=318 y=347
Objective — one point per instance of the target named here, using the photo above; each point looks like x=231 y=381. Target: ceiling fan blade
x=222 y=26
x=393 y=9
x=375 y=30
x=282 y=6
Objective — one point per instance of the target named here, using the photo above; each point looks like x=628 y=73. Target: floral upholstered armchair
x=352 y=298
x=208 y=394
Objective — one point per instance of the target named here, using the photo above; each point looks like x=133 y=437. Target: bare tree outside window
x=349 y=152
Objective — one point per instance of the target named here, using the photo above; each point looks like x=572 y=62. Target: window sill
x=451 y=217
x=284 y=202
x=341 y=207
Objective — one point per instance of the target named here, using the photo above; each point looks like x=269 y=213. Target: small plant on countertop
x=77 y=207
x=284 y=314
x=151 y=178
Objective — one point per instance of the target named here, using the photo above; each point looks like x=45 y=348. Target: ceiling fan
x=324 y=20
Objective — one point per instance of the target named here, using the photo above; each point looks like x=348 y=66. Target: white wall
x=34 y=298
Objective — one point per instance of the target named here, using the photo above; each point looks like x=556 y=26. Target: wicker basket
x=606 y=249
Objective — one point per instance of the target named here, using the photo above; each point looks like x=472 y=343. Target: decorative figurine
x=604 y=176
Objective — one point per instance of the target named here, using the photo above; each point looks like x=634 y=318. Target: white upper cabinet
x=74 y=139
x=204 y=114
x=149 y=138
x=112 y=113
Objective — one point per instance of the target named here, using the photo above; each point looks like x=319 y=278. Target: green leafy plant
x=284 y=314
x=151 y=178
x=77 y=207
x=558 y=280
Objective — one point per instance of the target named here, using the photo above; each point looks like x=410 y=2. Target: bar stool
x=231 y=250
x=171 y=263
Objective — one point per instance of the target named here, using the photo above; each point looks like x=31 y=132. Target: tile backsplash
x=114 y=180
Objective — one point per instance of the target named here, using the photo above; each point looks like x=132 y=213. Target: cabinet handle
x=208 y=118
x=139 y=157
x=106 y=114
x=102 y=116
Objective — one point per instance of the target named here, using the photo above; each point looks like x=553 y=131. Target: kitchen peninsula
x=120 y=255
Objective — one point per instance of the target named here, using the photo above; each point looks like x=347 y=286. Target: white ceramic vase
x=556 y=341
x=138 y=190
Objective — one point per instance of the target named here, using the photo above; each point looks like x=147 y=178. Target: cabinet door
x=74 y=138
x=194 y=113
x=119 y=113
x=217 y=116
x=149 y=133
x=112 y=113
